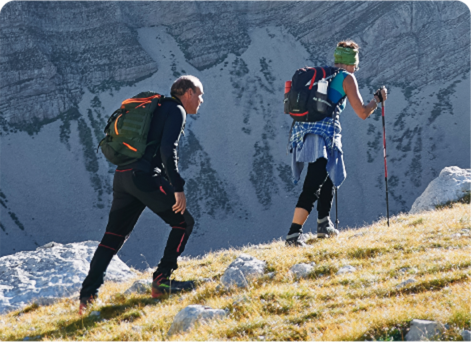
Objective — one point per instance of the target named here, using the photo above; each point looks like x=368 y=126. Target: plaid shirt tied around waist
x=329 y=129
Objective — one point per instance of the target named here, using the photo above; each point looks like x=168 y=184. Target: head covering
x=346 y=56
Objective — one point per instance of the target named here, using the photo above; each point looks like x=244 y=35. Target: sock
x=322 y=220
x=294 y=231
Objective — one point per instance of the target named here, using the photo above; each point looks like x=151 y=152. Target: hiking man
x=154 y=182
x=319 y=144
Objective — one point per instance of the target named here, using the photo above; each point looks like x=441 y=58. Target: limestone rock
x=302 y=270
x=452 y=184
x=234 y=276
x=107 y=54
x=346 y=269
x=422 y=330
x=191 y=315
x=404 y=283
x=89 y=56
x=466 y=334
x=243 y=268
x=139 y=286
x=50 y=272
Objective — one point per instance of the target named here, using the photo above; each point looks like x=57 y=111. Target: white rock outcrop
x=422 y=330
x=466 y=334
x=302 y=270
x=346 y=269
x=243 y=268
x=50 y=272
x=452 y=184
x=139 y=286
x=192 y=314
x=405 y=283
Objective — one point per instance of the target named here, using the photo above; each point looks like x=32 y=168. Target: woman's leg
x=315 y=177
x=325 y=199
x=325 y=227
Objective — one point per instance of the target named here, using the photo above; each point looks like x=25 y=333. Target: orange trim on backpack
x=142 y=100
x=130 y=147
x=116 y=124
x=300 y=114
x=313 y=78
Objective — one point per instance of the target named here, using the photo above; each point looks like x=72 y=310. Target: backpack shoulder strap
x=170 y=98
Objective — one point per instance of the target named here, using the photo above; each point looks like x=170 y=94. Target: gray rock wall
x=70 y=64
x=50 y=51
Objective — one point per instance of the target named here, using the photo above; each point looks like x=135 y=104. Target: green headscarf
x=346 y=56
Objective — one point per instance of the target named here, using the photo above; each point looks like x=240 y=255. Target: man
x=319 y=144
x=154 y=182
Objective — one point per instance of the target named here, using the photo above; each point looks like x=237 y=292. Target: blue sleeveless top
x=335 y=91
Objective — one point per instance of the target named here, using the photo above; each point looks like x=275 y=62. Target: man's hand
x=381 y=94
x=180 y=205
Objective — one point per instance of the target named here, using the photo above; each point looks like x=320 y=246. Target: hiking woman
x=319 y=144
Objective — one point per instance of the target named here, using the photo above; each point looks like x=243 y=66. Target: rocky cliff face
x=65 y=66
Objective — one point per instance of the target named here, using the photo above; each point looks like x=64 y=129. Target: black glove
x=379 y=95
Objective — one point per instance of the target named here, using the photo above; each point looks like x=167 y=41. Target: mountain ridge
x=233 y=156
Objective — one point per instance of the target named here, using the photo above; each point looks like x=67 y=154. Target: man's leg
x=325 y=227
x=182 y=226
x=158 y=195
x=125 y=210
x=315 y=177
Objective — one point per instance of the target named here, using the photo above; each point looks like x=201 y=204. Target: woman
x=319 y=144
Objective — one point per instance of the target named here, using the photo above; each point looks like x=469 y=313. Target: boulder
x=50 y=272
x=234 y=276
x=192 y=315
x=451 y=185
x=421 y=330
x=243 y=268
x=405 y=283
x=466 y=334
x=346 y=269
x=302 y=270
x=139 y=286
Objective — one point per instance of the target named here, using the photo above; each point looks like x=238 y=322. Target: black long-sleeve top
x=166 y=127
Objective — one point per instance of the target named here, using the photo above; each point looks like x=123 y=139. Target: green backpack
x=127 y=129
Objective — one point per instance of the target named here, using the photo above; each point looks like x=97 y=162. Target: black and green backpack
x=128 y=127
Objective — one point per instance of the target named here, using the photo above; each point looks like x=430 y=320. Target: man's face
x=194 y=98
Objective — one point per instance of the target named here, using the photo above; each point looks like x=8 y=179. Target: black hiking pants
x=133 y=190
x=317 y=186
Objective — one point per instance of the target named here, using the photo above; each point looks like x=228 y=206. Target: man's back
x=166 y=126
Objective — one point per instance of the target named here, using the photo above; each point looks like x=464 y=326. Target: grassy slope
x=364 y=305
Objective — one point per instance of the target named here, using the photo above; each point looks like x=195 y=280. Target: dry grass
x=365 y=305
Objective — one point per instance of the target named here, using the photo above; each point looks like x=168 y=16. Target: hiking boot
x=295 y=240
x=325 y=228
x=164 y=285
x=84 y=303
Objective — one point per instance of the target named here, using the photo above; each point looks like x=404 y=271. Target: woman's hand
x=381 y=94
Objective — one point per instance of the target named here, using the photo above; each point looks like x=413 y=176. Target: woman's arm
x=350 y=86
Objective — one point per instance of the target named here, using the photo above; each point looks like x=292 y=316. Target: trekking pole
x=385 y=165
x=336 y=210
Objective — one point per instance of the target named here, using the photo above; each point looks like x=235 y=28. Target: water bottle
x=321 y=96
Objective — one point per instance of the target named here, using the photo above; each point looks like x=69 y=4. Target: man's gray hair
x=183 y=83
